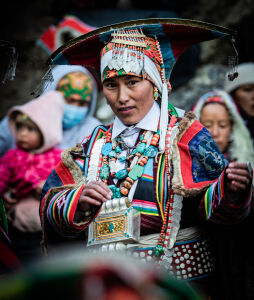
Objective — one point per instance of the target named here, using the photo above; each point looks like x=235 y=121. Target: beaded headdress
x=131 y=52
x=156 y=43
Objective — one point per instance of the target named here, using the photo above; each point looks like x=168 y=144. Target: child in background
x=37 y=129
x=218 y=112
x=80 y=90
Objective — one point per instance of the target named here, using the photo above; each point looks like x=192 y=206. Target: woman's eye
x=109 y=84
x=132 y=82
x=223 y=126
x=247 y=90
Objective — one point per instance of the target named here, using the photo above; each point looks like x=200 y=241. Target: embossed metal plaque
x=123 y=225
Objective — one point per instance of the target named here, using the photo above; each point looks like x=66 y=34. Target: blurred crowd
x=71 y=101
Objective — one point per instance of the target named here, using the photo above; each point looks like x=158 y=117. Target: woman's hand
x=238 y=176
x=94 y=193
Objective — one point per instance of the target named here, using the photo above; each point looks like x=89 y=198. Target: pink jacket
x=23 y=170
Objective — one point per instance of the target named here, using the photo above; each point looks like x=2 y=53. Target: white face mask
x=73 y=115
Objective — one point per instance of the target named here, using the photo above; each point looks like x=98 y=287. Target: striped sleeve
x=217 y=208
x=61 y=211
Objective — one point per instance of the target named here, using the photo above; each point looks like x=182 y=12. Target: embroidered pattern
x=207 y=160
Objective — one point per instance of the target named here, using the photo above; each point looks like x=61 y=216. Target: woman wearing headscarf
x=218 y=112
x=147 y=182
x=242 y=91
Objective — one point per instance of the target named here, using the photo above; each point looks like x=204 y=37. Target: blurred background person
x=242 y=91
x=8 y=259
x=80 y=91
x=37 y=129
x=218 y=112
x=76 y=274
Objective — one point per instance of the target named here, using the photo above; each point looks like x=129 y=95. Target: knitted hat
x=169 y=38
x=246 y=76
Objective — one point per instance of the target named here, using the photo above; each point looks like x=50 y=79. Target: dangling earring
x=155 y=93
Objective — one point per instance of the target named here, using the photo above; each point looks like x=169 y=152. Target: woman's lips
x=126 y=110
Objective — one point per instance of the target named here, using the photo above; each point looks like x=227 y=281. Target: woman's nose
x=123 y=95
x=214 y=131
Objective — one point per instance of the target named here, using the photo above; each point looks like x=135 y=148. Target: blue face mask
x=73 y=115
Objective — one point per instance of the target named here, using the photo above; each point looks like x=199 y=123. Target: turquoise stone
x=112 y=154
x=141 y=147
x=115 y=191
x=106 y=149
x=104 y=172
x=118 y=149
x=134 y=151
x=118 y=193
x=122 y=158
x=112 y=188
x=151 y=151
x=111 y=227
x=121 y=174
x=136 y=172
x=158 y=250
x=141 y=137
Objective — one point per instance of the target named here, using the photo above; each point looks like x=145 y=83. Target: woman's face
x=216 y=119
x=130 y=97
x=244 y=96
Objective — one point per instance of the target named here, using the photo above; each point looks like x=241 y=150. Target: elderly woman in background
x=242 y=91
x=218 y=112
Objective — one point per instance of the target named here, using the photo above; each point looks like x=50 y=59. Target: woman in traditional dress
x=149 y=182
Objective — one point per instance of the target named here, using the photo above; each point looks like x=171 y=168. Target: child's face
x=244 y=96
x=216 y=119
x=28 y=136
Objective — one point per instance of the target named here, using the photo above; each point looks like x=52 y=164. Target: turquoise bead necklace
x=137 y=158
